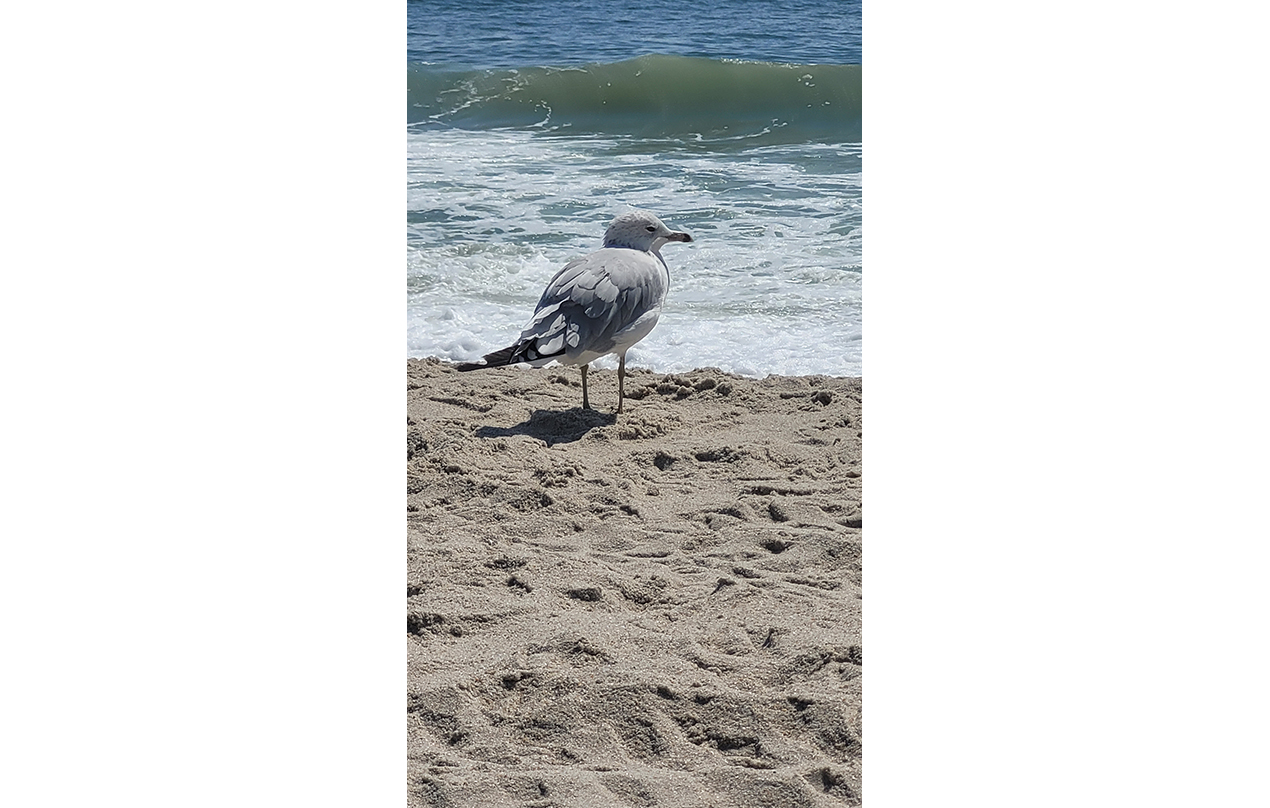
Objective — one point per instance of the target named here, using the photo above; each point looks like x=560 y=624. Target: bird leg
x=621 y=378
x=586 y=405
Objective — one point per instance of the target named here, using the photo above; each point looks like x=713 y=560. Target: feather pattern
x=600 y=304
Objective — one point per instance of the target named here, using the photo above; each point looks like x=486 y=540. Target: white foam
x=771 y=284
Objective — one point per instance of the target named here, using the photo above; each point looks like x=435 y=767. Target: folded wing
x=586 y=308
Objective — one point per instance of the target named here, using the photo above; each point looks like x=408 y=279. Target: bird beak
x=684 y=237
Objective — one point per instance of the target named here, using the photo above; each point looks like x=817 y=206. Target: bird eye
x=651 y=229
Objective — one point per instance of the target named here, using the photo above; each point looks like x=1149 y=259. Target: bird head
x=641 y=230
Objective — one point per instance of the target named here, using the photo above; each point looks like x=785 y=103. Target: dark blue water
x=521 y=33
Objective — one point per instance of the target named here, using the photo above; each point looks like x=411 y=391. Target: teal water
x=687 y=99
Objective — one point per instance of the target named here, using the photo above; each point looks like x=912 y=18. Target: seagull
x=598 y=305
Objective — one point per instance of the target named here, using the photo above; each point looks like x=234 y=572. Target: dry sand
x=660 y=608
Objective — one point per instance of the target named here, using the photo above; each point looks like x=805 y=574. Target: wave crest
x=679 y=97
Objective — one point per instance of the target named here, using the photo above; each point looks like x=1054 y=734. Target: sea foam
x=771 y=283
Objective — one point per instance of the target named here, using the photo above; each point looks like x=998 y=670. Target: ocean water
x=531 y=124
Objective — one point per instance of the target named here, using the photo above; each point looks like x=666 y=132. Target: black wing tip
x=507 y=356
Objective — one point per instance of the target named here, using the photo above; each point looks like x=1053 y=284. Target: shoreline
x=661 y=607
x=596 y=368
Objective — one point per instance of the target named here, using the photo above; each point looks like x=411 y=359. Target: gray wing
x=592 y=299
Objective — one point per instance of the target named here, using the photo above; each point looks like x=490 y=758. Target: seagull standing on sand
x=598 y=305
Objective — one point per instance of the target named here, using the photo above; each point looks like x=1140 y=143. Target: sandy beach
x=659 y=608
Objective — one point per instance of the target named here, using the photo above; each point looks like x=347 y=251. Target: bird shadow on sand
x=552 y=427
